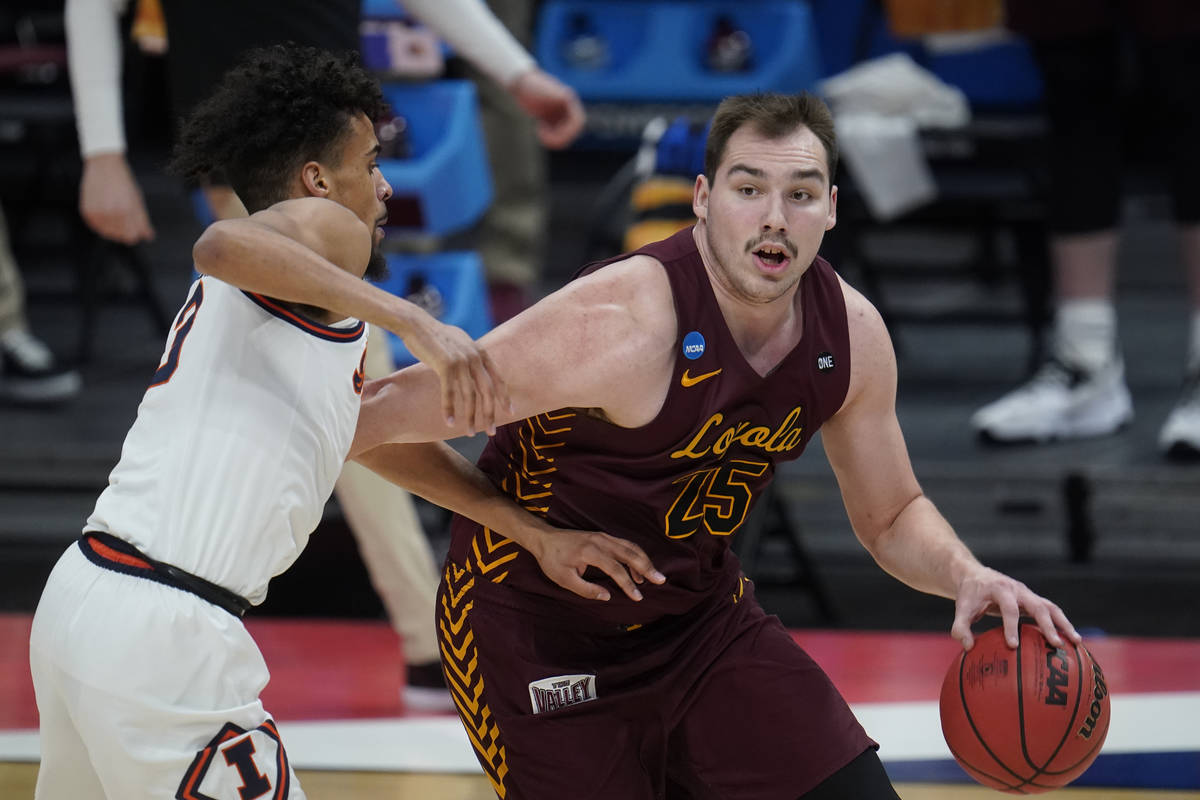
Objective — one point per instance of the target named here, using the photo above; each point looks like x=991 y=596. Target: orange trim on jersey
x=104 y=551
x=183 y=327
x=326 y=331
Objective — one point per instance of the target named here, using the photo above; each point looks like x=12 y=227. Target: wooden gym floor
x=335 y=691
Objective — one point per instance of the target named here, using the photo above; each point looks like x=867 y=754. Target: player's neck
x=764 y=332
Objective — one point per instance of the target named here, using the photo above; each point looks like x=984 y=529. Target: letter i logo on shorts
x=693 y=345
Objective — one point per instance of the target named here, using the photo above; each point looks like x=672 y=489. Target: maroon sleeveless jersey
x=682 y=484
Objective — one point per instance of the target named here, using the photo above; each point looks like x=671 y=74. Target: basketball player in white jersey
x=147 y=682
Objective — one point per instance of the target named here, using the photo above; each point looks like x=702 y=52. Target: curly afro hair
x=280 y=107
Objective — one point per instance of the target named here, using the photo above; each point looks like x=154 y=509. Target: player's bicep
x=323 y=226
x=562 y=352
x=863 y=441
x=579 y=347
x=603 y=341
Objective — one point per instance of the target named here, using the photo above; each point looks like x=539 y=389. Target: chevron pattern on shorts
x=460 y=659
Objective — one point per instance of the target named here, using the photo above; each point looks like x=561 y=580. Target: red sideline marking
x=344 y=669
x=874 y=667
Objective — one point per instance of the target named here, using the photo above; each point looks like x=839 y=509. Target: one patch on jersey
x=825 y=362
x=239 y=763
x=551 y=694
x=693 y=345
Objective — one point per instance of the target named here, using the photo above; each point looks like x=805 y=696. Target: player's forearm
x=475 y=33
x=257 y=258
x=922 y=550
x=441 y=475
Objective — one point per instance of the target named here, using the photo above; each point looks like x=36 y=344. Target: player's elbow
x=212 y=250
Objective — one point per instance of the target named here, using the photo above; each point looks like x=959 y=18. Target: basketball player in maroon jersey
x=653 y=398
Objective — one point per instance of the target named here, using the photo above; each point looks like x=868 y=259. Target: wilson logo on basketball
x=1057 y=678
x=1099 y=692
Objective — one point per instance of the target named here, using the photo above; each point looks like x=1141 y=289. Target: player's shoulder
x=324 y=226
x=861 y=314
x=638 y=284
x=312 y=219
x=638 y=277
x=870 y=342
x=629 y=299
x=310 y=209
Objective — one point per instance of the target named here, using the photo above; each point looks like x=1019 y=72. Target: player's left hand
x=986 y=591
x=552 y=103
x=472 y=390
x=565 y=555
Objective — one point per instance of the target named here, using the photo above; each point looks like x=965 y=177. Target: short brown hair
x=772 y=115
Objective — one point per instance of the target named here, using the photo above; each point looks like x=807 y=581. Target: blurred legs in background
x=29 y=373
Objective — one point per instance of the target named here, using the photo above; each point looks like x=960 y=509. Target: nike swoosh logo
x=686 y=380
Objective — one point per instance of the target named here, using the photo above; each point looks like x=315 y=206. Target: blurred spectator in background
x=110 y=199
x=512 y=234
x=1088 y=50
x=202 y=40
x=29 y=373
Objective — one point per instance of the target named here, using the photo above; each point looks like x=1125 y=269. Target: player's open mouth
x=771 y=257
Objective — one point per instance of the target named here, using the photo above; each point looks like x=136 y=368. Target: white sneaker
x=1180 y=434
x=425 y=689
x=1059 y=402
x=29 y=373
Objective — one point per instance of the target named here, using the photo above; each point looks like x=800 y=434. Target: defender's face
x=766 y=211
x=357 y=184
x=356 y=181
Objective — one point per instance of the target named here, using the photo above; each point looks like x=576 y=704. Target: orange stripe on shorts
x=104 y=551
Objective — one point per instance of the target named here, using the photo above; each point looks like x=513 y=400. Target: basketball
x=1028 y=720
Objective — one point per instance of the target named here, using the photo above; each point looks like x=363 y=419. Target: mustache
x=782 y=241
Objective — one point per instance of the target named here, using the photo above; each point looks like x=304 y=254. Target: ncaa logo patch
x=693 y=345
x=551 y=694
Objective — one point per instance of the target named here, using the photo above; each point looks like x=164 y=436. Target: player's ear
x=316 y=183
x=700 y=197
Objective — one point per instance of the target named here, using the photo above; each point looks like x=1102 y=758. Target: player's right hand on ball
x=473 y=393
x=565 y=555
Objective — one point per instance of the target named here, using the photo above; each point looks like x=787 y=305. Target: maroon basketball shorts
x=721 y=703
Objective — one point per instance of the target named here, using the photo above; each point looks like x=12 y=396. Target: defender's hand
x=472 y=389
x=552 y=103
x=564 y=555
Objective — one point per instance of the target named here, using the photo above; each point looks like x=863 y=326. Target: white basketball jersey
x=238 y=440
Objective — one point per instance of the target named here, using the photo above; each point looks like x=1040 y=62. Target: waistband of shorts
x=591 y=617
x=118 y=555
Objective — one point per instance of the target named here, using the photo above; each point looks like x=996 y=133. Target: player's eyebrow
x=807 y=173
x=753 y=172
